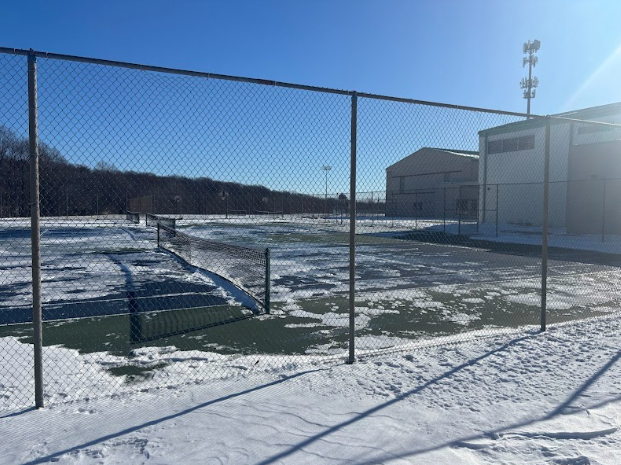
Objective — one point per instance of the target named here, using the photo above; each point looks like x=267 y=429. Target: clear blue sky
x=464 y=52
x=454 y=51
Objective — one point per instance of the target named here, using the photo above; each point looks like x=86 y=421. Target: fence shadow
x=132 y=429
x=452 y=443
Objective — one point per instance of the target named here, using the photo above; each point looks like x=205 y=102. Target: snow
x=518 y=397
x=557 y=237
x=502 y=395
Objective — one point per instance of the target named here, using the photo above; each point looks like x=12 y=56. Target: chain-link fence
x=196 y=226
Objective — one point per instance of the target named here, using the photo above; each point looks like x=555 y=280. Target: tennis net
x=269 y=213
x=155 y=220
x=247 y=268
x=134 y=217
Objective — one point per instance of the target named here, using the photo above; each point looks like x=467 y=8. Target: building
x=585 y=172
x=433 y=183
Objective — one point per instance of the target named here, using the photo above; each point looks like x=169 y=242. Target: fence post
x=352 y=228
x=459 y=213
x=544 y=235
x=416 y=208
x=444 y=209
x=35 y=233
x=497 y=206
x=604 y=211
x=158 y=235
x=478 y=211
x=268 y=288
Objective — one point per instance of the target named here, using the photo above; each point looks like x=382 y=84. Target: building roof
x=456 y=152
x=587 y=114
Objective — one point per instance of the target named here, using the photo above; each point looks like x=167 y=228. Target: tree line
x=68 y=189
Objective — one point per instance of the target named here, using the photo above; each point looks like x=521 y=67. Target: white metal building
x=585 y=172
x=433 y=182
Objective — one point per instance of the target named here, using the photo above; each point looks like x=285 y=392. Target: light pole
x=327 y=168
x=531 y=83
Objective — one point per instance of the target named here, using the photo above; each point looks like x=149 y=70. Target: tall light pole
x=531 y=83
x=326 y=168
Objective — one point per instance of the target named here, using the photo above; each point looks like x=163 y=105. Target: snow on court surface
x=407 y=292
x=522 y=398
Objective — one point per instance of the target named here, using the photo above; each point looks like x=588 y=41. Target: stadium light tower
x=529 y=85
x=326 y=168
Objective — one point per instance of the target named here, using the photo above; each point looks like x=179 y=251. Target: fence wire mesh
x=153 y=182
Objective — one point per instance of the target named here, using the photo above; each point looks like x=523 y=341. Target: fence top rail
x=268 y=82
x=264 y=82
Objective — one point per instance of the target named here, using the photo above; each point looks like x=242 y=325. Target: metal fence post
x=444 y=209
x=416 y=207
x=604 y=211
x=352 y=228
x=544 y=235
x=35 y=233
x=497 y=206
x=268 y=288
x=459 y=213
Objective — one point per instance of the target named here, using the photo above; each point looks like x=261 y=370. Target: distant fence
x=435 y=250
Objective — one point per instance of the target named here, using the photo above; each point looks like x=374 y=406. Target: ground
x=451 y=366
x=522 y=398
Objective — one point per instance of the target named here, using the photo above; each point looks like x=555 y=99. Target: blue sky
x=465 y=52
x=454 y=51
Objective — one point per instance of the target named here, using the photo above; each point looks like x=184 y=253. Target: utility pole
x=327 y=168
x=529 y=85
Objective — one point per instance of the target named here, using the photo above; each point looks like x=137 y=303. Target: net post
x=35 y=231
x=158 y=235
x=135 y=325
x=352 y=229
x=267 y=281
x=544 y=233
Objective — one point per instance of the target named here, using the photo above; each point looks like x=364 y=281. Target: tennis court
x=108 y=287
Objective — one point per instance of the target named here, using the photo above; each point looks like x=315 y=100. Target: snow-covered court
x=191 y=326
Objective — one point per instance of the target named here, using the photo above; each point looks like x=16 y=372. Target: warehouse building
x=585 y=172
x=433 y=183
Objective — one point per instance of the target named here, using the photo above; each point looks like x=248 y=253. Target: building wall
x=512 y=182
x=427 y=184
